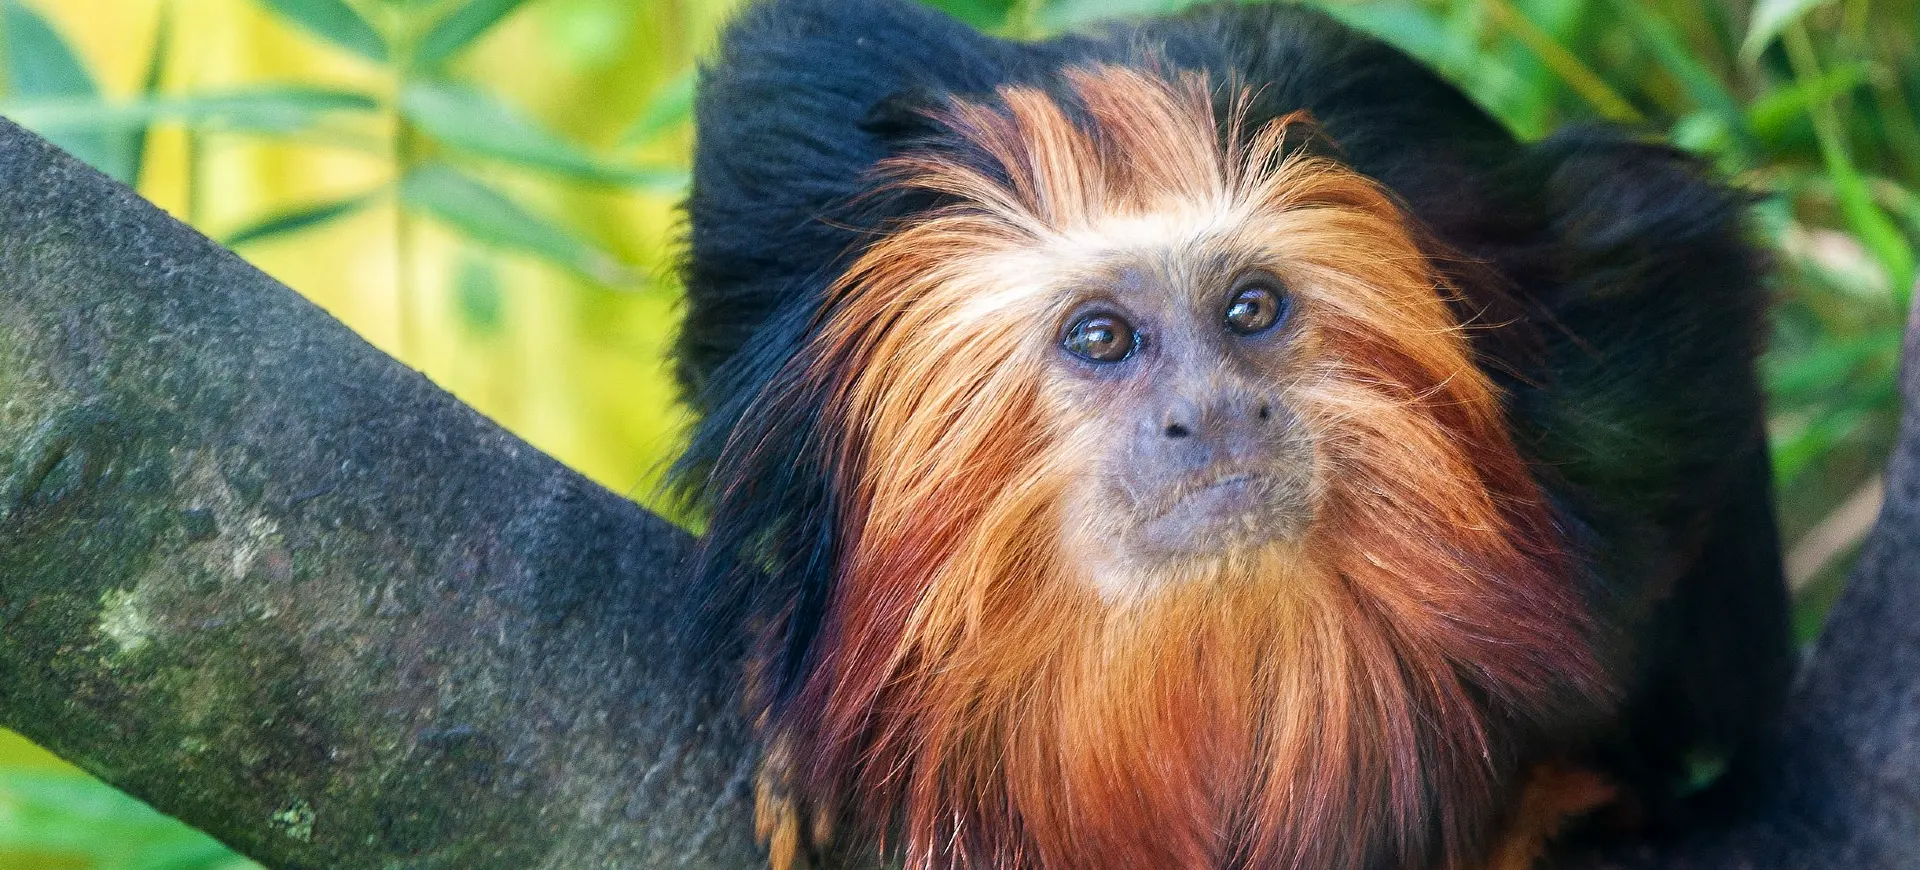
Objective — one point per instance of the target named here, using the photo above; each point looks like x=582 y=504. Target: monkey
x=1212 y=442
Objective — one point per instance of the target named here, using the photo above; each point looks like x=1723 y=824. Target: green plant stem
x=1571 y=70
x=406 y=157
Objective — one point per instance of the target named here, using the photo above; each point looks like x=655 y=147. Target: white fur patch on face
x=1026 y=279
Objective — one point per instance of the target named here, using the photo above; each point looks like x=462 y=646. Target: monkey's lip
x=1236 y=508
x=1218 y=498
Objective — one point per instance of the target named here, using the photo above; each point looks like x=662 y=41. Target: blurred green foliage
x=1812 y=104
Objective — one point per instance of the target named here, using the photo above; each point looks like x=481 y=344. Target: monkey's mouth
x=1229 y=510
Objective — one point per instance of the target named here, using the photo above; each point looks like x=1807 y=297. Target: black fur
x=1614 y=296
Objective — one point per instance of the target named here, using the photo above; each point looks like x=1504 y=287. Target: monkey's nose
x=1186 y=418
x=1181 y=419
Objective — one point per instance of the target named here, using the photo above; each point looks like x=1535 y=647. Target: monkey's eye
x=1255 y=308
x=1100 y=337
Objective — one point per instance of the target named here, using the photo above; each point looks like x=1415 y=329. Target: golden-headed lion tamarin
x=1211 y=443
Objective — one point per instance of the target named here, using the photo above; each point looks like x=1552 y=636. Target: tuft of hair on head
x=1340 y=700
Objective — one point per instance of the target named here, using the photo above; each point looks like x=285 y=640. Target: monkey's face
x=1168 y=373
x=1143 y=357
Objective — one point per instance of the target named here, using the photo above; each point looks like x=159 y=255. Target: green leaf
x=979 y=14
x=1407 y=26
x=469 y=120
x=40 y=64
x=670 y=105
x=477 y=295
x=459 y=29
x=1070 y=14
x=297 y=220
x=335 y=22
x=1768 y=20
x=489 y=217
x=67 y=814
x=264 y=110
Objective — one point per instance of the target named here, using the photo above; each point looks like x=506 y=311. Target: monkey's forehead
x=1176 y=252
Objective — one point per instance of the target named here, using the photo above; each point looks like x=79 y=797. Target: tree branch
x=275 y=583
x=268 y=579
x=1843 y=789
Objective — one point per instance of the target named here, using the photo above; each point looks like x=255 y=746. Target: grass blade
x=1705 y=89
x=1816 y=372
x=1769 y=19
x=1875 y=229
x=1567 y=67
x=1770 y=115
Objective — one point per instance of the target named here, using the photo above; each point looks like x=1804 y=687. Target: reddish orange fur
x=1327 y=702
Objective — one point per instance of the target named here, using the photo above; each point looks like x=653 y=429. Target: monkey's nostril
x=1265 y=411
x=1175 y=430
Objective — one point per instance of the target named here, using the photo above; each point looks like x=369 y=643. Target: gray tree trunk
x=279 y=585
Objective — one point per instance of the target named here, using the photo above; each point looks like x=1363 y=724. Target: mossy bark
x=277 y=584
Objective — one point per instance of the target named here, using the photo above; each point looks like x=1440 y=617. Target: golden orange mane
x=1305 y=705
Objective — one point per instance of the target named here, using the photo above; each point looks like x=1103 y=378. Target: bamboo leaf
x=265 y=110
x=41 y=64
x=459 y=29
x=1768 y=20
x=670 y=105
x=335 y=22
x=297 y=220
x=469 y=120
x=489 y=217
